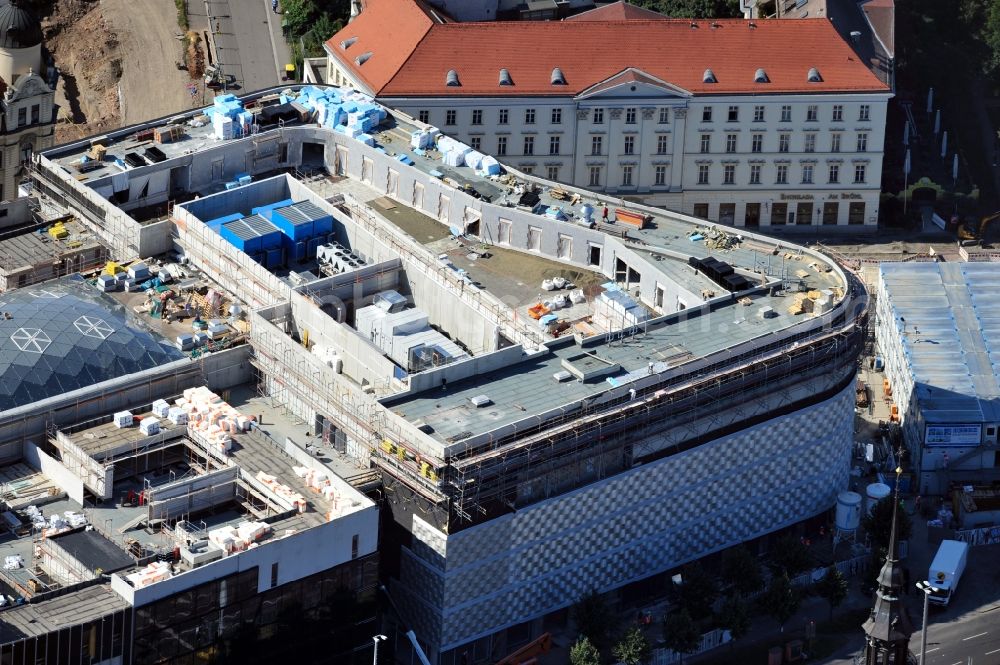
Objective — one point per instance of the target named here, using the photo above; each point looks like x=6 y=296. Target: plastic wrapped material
x=123 y=419
x=548 y=285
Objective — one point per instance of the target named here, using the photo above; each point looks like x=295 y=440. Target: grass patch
x=182 y=14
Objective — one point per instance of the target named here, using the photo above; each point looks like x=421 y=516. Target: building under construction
x=553 y=403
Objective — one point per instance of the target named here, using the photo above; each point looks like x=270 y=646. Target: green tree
x=789 y=556
x=832 y=587
x=780 y=600
x=878 y=523
x=681 y=633
x=697 y=592
x=595 y=620
x=741 y=570
x=633 y=648
x=734 y=616
x=583 y=652
x=297 y=16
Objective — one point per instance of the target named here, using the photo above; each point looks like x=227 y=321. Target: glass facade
x=316 y=619
x=101 y=640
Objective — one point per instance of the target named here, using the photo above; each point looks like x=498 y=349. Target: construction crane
x=967 y=235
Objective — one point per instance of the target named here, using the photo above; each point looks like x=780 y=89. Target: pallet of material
x=630 y=217
x=168 y=134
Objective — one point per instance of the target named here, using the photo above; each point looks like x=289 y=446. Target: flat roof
x=949 y=317
x=36 y=246
x=528 y=387
x=93 y=550
x=47 y=616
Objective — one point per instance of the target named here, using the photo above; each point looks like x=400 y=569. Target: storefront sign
x=953 y=435
x=797 y=197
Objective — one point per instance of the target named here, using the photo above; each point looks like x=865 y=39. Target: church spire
x=888 y=629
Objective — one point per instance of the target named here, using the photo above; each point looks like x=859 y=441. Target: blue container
x=274 y=258
x=259 y=257
x=300 y=251
x=312 y=245
x=241 y=236
x=266 y=210
x=216 y=224
x=292 y=223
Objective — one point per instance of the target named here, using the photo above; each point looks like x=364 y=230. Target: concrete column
x=677 y=158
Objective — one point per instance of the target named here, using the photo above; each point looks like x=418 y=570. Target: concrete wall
x=192 y=495
x=16 y=211
x=54 y=470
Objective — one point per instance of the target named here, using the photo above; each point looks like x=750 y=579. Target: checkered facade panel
x=627 y=527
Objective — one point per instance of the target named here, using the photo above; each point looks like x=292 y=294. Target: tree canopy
x=595 y=620
x=780 y=600
x=741 y=570
x=878 y=523
x=583 y=652
x=633 y=649
x=832 y=587
x=697 y=592
x=680 y=632
x=734 y=616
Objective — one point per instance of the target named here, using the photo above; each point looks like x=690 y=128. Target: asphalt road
x=974 y=640
x=247 y=42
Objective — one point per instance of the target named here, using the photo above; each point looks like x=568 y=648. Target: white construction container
x=149 y=426
x=177 y=416
x=123 y=419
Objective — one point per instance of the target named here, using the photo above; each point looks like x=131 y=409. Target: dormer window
x=451 y=79
x=761 y=76
x=347 y=43
x=813 y=76
x=557 y=77
x=505 y=78
x=363 y=58
x=709 y=77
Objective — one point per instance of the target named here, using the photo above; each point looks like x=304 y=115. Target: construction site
x=542 y=403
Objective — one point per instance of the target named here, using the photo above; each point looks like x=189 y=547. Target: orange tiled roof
x=412 y=54
x=618 y=11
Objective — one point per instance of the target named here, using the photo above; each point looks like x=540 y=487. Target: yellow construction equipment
x=112 y=268
x=58 y=231
x=972 y=236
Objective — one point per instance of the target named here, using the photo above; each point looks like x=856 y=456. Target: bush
x=182 y=14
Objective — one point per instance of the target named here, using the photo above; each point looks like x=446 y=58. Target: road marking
x=972 y=637
x=992 y=652
x=934 y=649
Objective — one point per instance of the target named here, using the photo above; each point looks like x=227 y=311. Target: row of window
x=663 y=144
x=631 y=115
x=784 y=142
x=781 y=174
x=782 y=213
x=555 y=117
x=812 y=113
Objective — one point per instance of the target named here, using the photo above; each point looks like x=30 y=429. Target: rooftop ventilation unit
x=761 y=76
x=479 y=401
x=505 y=78
x=694 y=25
x=347 y=43
x=557 y=77
x=709 y=77
x=363 y=58
x=452 y=78
x=814 y=76
x=751 y=25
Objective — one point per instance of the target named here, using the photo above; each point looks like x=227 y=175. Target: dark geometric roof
x=64 y=335
x=18 y=28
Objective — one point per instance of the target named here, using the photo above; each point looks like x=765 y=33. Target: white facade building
x=699 y=127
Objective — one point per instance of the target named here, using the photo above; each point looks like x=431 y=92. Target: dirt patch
x=88 y=55
x=194 y=56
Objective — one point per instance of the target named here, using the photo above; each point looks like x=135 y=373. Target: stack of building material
x=149 y=426
x=453 y=152
x=489 y=166
x=614 y=309
x=284 y=491
x=229 y=118
x=168 y=134
x=13 y=562
x=157 y=571
x=313 y=479
x=161 y=408
x=123 y=419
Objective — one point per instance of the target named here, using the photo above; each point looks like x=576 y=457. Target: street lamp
x=379 y=638
x=928 y=590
